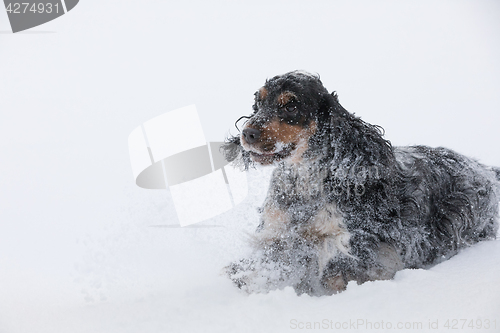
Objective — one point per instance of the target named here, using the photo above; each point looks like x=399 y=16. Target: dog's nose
x=251 y=135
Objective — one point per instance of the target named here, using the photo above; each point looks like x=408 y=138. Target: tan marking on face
x=262 y=94
x=302 y=145
x=285 y=97
x=277 y=131
x=277 y=135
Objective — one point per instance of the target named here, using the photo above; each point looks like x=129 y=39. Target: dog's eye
x=290 y=108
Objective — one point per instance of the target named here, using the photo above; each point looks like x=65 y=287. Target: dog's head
x=289 y=117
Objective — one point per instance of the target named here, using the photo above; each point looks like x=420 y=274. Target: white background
x=78 y=252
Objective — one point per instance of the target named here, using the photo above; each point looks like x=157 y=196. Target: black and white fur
x=343 y=204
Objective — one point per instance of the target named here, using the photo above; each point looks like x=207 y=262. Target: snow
x=83 y=249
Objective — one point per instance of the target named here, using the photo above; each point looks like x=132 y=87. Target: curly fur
x=343 y=203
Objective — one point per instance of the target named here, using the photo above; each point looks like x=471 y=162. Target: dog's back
x=455 y=197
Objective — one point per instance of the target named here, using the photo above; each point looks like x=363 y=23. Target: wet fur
x=352 y=207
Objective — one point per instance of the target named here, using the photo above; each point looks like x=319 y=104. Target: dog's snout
x=251 y=135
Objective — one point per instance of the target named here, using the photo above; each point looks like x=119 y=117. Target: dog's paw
x=242 y=265
x=241 y=272
x=254 y=276
x=334 y=284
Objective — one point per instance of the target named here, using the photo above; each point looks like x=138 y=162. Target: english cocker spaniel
x=343 y=204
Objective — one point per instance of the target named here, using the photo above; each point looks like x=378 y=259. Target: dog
x=345 y=205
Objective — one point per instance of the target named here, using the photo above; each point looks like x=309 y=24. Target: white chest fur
x=322 y=229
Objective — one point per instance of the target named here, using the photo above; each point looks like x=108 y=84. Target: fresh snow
x=83 y=249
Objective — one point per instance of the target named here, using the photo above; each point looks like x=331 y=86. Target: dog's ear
x=353 y=139
x=330 y=110
x=234 y=152
x=332 y=104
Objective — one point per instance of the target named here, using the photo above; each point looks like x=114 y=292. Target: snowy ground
x=82 y=249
